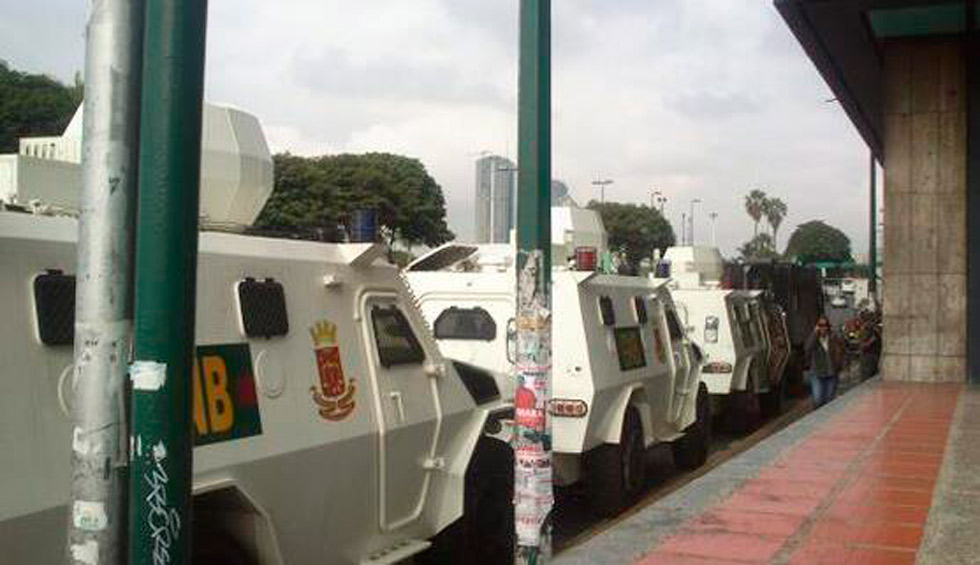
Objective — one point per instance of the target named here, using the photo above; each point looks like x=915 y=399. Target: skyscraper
x=496 y=199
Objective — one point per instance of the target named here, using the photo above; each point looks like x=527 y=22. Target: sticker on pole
x=89 y=516
x=148 y=376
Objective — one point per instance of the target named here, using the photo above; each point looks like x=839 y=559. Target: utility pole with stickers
x=533 y=492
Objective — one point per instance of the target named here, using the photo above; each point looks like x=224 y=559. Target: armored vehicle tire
x=485 y=533
x=691 y=450
x=212 y=547
x=771 y=403
x=616 y=473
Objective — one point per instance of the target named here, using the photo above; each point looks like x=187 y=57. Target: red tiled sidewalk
x=856 y=491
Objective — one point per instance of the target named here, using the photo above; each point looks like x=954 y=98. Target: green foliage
x=816 y=241
x=775 y=211
x=320 y=192
x=759 y=248
x=33 y=106
x=758 y=205
x=634 y=231
x=755 y=204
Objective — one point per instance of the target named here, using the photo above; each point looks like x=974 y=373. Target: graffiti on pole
x=533 y=493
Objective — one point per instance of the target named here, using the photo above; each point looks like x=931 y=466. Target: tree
x=318 y=193
x=816 y=242
x=33 y=105
x=634 y=231
x=775 y=211
x=755 y=204
x=759 y=248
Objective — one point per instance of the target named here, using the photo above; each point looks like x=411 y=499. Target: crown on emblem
x=323 y=333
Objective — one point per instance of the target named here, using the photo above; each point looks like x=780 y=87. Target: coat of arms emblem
x=335 y=397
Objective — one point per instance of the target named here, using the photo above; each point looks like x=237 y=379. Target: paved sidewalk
x=874 y=478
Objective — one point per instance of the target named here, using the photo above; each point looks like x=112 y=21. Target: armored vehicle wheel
x=691 y=450
x=485 y=533
x=771 y=403
x=218 y=548
x=617 y=472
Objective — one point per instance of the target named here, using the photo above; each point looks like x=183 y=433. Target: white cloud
x=697 y=98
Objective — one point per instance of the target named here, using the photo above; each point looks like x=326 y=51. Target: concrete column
x=925 y=211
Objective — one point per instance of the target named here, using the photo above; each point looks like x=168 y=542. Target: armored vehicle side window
x=607 y=311
x=674 y=326
x=397 y=344
x=641 y=310
x=54 y=305
x=263 y=307
x=629 y=348
x=465 y=323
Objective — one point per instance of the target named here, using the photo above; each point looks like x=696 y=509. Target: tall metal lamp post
x=714 y=234
x=103 y=315
x=602 y=184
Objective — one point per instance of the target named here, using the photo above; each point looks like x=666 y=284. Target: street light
x=714 y=238
x=602 y=184
x=693 y=202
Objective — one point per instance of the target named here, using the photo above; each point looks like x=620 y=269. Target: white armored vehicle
x=625 y=377
x=743 y=333
x=328 y=426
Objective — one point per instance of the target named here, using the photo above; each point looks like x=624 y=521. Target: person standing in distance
x=825 y=358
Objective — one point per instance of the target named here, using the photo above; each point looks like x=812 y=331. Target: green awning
x=917 y=21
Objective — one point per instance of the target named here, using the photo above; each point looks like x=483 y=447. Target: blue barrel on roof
x=364 y=226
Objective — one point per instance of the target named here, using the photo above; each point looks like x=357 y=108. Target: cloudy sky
x=696 y=98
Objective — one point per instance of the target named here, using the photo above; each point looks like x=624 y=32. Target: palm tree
x=755 y=204
x=775 y=212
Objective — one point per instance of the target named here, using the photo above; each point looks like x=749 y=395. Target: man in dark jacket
x=825 y=357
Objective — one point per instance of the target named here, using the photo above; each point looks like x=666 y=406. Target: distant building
x=496 y=199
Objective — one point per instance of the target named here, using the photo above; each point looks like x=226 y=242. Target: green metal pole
x=533 y=494
x=166 y=271
x=873 y=239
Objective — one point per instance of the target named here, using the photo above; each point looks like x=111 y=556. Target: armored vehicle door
x=681 y=362
x=408 y=409
x=682 y=365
